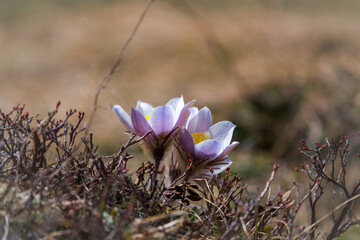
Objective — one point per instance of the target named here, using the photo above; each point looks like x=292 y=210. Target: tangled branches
x=54 y=184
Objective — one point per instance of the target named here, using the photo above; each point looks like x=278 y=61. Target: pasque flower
x=207 y=145
x=162 y=121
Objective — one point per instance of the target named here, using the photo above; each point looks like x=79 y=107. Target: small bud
x=58 y=104
x=276 y=166
x=211 y=170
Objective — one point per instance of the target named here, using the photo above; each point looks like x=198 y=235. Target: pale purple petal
x=222 y=131
x=141 y=125
x=184 y=114
x=144 y=108
x=204 y=120
x=193 y=111
x=177 y=104
x=201 y=122
x=124 y=116
x=208 y=148
x=228 y=149
x=162 y=119
x=187 y=141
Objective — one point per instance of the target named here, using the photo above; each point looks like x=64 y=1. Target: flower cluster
x=179 y=134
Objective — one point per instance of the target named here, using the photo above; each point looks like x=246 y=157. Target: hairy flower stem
x=158 y=156
x=156 y=169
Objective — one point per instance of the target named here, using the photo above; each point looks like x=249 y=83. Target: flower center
x=199 y=137
x=147 y=117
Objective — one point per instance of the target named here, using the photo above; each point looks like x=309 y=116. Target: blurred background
x=281 y=70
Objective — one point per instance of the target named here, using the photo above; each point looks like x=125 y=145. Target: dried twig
x=105 y=80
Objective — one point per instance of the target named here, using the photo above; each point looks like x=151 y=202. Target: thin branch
x=106 y=79
x=329 y=214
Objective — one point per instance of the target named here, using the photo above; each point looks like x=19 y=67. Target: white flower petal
x=208 y=148
x=227 y=149
x=124 y=116
x=204 y=120
x=201 y=122
x=184 y=114
x=177 y=104
x=192 y=112
x=162 y=119
x=144 y=108
x=222 y=131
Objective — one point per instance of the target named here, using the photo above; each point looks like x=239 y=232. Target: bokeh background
x=281 y=70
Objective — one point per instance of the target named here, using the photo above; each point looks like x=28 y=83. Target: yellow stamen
x=147 y=117
x=199 y=137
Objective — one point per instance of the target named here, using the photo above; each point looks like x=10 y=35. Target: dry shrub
x=55 y=185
